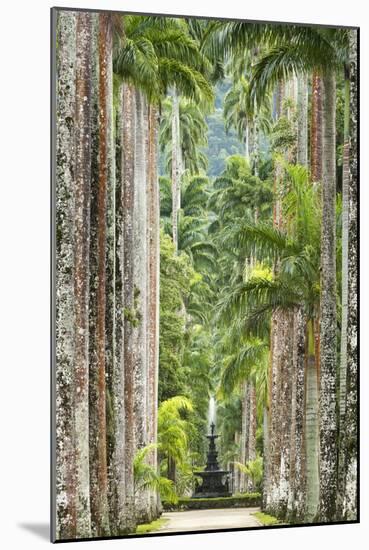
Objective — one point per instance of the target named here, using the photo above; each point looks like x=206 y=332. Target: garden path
x=204 y=520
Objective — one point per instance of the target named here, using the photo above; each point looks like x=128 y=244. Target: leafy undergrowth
x=149 y=527
x=266 y=519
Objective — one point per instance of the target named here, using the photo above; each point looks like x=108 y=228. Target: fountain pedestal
x=214 y=481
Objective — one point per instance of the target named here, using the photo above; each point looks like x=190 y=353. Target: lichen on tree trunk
x=328 y=314
x=81 y=267
x=65 y=322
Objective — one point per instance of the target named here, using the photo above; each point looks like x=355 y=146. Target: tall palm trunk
x=251 y=449
x=153 y=285
x=328 y=317
x=280 y=373
x=284 y=429
x=175 y=167
x=272 y=487
x=65 y=320
x=245 y=423
x=316 y=156
x=99 y=486
x=93 y=277
x=344 y=296
x=128 y=172
x=81 y=266
x=140 y=289
x=115 y=382
x=311 y=428
x=302 y=120
x=247 y=142
x=236 y=471
x=266 y=456
x=297 y=482
x=351 y=439
x=256 y=144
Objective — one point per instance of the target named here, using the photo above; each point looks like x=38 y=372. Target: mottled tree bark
x=245 y=424
x=276 y=499
x=351 y=440
x=65 y=322
x=175 y=167
x=128 y=171
x=297 y=488
x=99 y=487
x=344 y=298
x=272 y=488
x=316 y=140
x=140 y=291
x=251 y=449
x=285 y=350
x=93 y=272
x=115 y=381
x=328 y=315
x=302 y=120
x=153 y=285
x=81 y=267
x=311 y=428
x=266 y=457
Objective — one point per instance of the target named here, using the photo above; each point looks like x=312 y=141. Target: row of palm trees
x=115 y=74
x=307 y=473
x=129 y=87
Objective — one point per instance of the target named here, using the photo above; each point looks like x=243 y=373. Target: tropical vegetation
x=206 y=247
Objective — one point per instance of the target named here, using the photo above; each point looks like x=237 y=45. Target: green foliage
x=150 y=527
x=253 y=470
x=193 y=135
x=173 y=428
x=176 y=274
x=146 y=477
x=244 y=500
x=266 y=519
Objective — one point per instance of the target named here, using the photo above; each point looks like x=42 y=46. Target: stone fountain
x=214 y=480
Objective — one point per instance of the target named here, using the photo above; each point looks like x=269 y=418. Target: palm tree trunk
x=128 y=172
x=65 y=320
x=251 y=450
x=316 y=129
x=140 y=290
x=244 y=432
x=99 y=489
x=350 y=510
x=175 y=167
x=153 y=279
x=280 y=385
x=266 y=457
x=302 y=121
x=115 y=382
x=93 y=278
x=284 y=428
x=344 y=296
x=297 y=495
x=256 y=146
x=247 y=144
x=81 y=266
x=271 y=498
x=328 y=316
x=311 y=428
x=236 y=471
